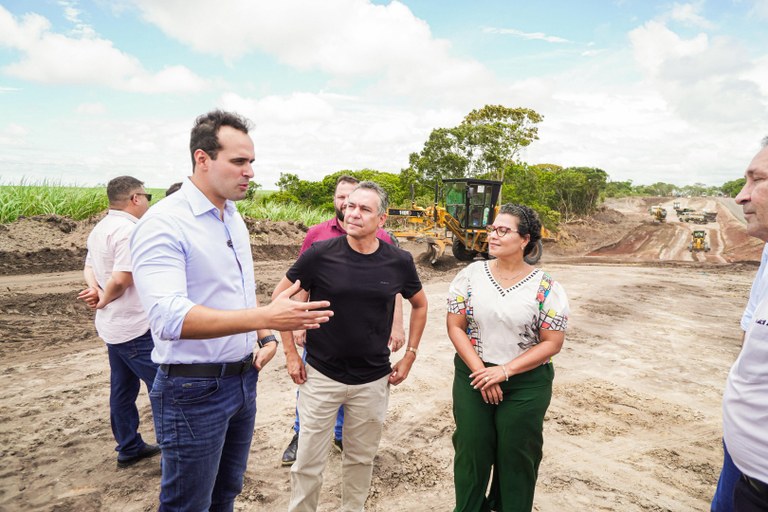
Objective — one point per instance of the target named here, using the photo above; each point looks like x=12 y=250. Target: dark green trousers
x=506 y=438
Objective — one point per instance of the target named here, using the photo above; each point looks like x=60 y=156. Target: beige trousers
x=365 y=407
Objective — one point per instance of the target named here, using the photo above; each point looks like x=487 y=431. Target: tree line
x=486 y=145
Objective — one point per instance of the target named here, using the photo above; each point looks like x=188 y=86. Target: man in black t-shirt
x=348 y=358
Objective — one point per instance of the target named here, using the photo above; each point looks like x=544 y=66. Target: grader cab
x=470 y=205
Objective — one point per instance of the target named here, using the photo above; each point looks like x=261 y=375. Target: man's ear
x=201 y=159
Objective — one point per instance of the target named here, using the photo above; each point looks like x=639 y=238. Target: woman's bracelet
x=504 y=369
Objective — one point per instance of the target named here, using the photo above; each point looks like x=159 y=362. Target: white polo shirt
x=745 y=401
x=123 y=319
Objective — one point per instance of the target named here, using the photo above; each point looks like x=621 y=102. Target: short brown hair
x=121 y=188
x=345 y=178
x=205 y=133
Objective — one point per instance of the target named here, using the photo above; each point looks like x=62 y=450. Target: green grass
x=263 y=209
x=51 y=198
x=46 y=198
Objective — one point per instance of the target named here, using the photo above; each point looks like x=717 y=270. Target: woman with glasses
x=506 y=320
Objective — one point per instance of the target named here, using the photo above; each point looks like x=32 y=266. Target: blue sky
x=645 y=90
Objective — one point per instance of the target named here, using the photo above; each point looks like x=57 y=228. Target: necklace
x=508 y=278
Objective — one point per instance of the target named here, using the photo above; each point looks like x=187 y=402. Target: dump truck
x=470 y=205
x=709 y=216
x=698 y=241
x=695 y=217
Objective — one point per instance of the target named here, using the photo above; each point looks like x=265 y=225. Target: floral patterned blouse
x=502 y=323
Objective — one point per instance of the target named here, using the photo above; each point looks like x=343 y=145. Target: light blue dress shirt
x=184 y=255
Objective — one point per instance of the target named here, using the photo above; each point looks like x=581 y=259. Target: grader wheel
x=534 y=256
x=461 y=253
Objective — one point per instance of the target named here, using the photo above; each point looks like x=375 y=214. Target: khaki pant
x=365 y=407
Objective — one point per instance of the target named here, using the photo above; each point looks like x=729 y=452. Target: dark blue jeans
x=337 y=429
x=129 y=364
x=204 y=426
x=722 y=501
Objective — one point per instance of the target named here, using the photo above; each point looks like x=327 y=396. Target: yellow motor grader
x=698 y=241
x=470 y=206
x=658 y=213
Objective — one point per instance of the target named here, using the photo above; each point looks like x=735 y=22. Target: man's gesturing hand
x=290 y=315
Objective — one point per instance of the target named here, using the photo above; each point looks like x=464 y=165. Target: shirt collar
x=335 y=222
x=121 y=213
x=201 y=204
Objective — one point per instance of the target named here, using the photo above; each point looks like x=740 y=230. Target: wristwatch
x=412 y=349
x=267 y=339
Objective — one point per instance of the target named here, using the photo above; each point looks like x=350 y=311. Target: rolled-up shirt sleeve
x=159 y=273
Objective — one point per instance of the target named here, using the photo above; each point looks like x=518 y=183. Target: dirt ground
x=634 y=423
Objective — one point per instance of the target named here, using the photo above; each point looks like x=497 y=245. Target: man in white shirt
x=745 y=401
x=120 y=318
x=722 y=501
x=194 y=273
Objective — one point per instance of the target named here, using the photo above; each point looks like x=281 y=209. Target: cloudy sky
x=646 y=90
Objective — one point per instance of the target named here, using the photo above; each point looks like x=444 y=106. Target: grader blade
x=435 y=249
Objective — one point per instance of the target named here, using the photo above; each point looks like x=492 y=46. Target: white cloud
x=704 y=79
x=52 y=58
x=314 y=134
x=688 y=14
x=525 y=35
x=654 y=44
x=13 y=135
x=760 y=9
x=350 y=39
x=72 y=14
x=91 y=108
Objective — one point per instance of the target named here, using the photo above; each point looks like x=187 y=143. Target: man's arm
x=92 y=293
x=282 y=314
x=293 y=362
x=397 y=336
x=116 y=285
x=266 y=352
x=402 y=368
x=159 y=270
x=300 y=336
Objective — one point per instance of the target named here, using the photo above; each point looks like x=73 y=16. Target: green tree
x=484 y=144
x=732 y=188
x=496 y=134
x=698 y=190
x=576 y=190
x=619 y=189
x=660 y=189
x=252 y=188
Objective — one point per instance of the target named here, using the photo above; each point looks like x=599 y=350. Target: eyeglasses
x=501 y=231
x=148 y=196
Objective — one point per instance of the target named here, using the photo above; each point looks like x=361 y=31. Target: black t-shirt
x=351 y=348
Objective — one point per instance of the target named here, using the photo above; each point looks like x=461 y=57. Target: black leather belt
x=208 y=369
x=759 y=487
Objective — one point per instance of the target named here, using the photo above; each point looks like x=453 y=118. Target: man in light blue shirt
x=193 y=269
